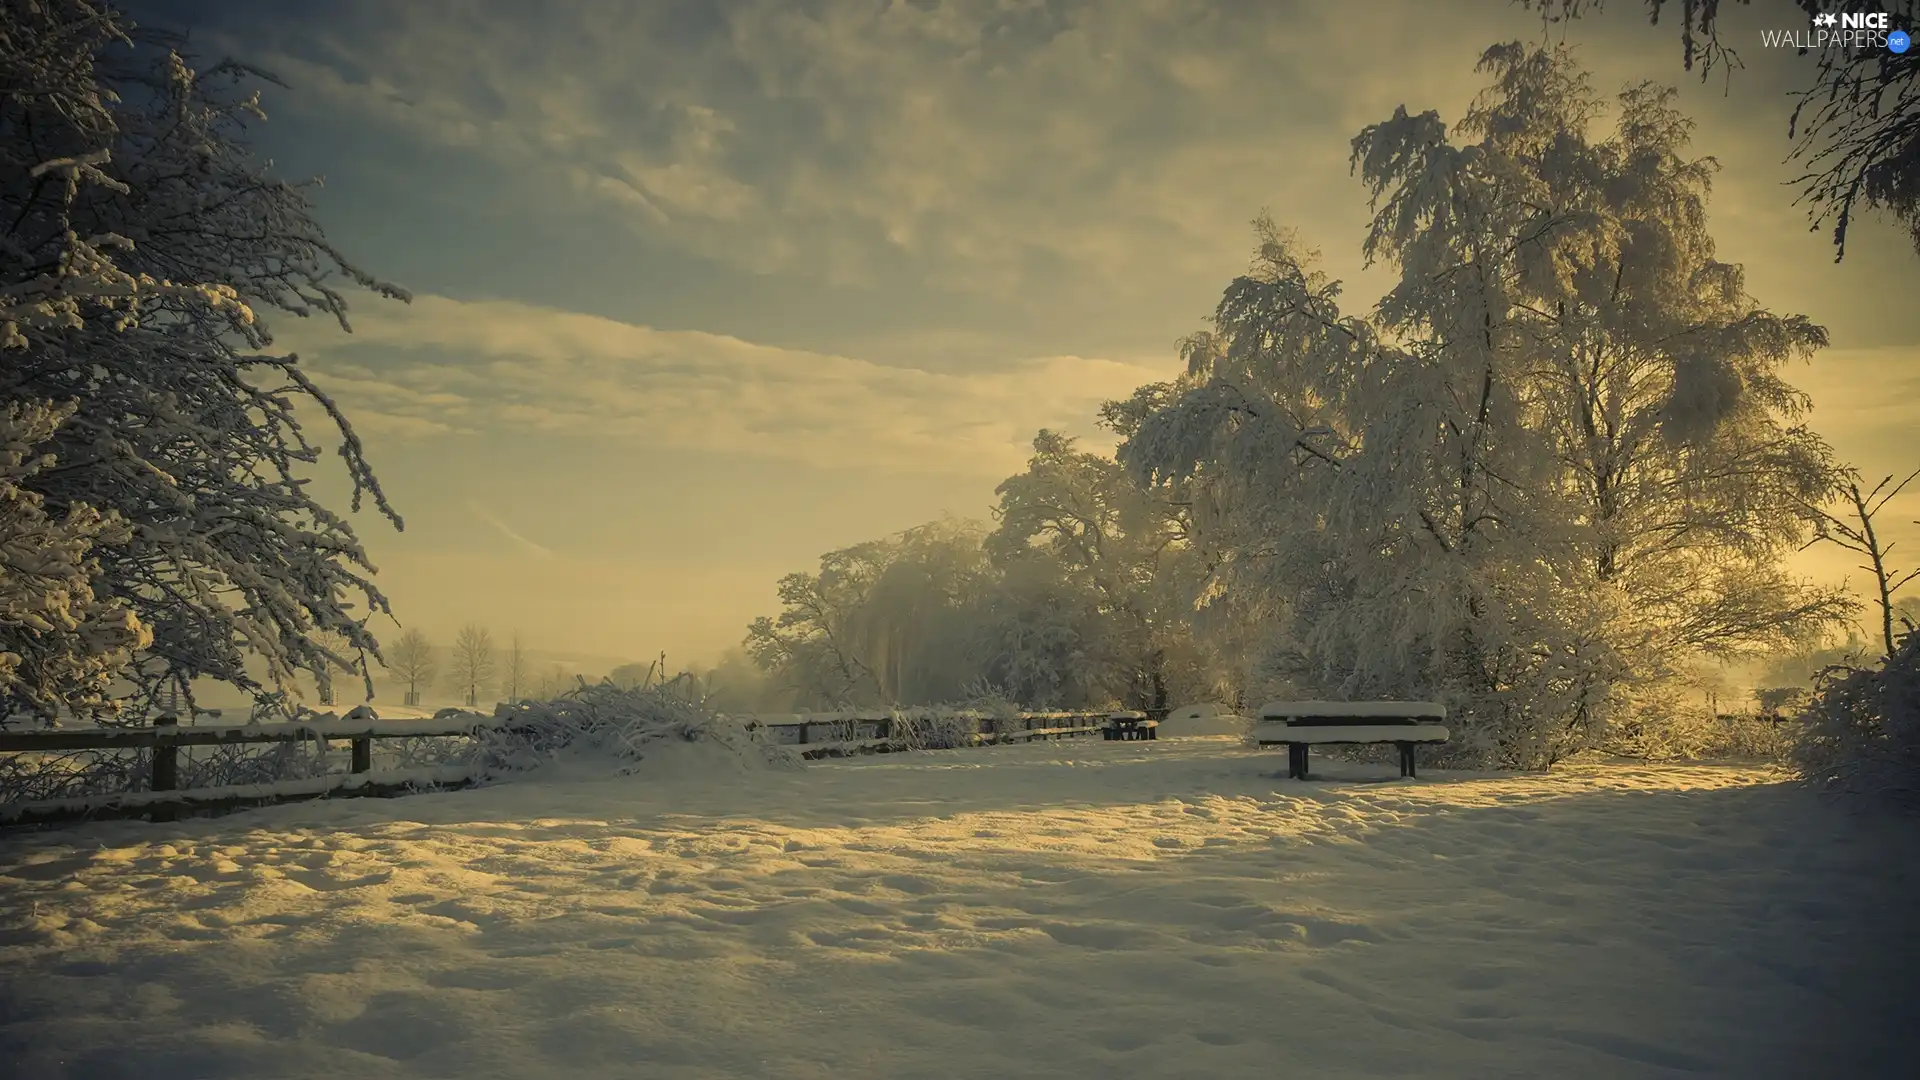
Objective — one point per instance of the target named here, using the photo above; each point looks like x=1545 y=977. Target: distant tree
x=634 y=676
x=1906 y=610
x=891 y=621
x=1044 y=641
x=338 y=653
x=516 y=669
x=1125 y=544
x=1801 y=663
x=471 y=668
x=737 y=685
x=1857 y=126
x=553 y=682
x=1776 y=700
x=413 y=661
x=141 y=244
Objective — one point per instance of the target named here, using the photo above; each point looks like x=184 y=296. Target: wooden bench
x=1129 y=726
x=1298 y=725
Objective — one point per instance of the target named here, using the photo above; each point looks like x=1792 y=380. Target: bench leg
x=1297 y=761
x=1408 y=766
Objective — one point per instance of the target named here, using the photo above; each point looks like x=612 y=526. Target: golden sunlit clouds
x=442 y=366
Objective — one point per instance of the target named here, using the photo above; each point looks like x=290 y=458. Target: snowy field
x=1077 y=910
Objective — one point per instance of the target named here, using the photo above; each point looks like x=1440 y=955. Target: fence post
x=166 y=763
x=362 y=754
x=803 y=733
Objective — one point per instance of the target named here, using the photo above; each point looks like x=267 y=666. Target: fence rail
x=163 y=801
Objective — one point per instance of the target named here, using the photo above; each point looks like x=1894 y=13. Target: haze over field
x=706 y=290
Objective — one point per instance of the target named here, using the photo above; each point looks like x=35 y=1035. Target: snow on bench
x=1298 y=725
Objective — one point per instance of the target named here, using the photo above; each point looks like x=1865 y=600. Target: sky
x=704 y=290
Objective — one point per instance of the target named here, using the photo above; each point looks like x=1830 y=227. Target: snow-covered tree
x=140 y=247
x=1556 y=461
x=1857 y=127
x=738 y=685
x=1042 y=639
x=340 y=660
x=552 y=683
x=412 y=660
x=1125 y=547
x=60 y=643
x=890 y=621
x=471 y=667
x=1801 y=663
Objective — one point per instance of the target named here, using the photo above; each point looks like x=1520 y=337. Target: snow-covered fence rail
x=824 y=734
x=162 y=799
x=813 y=736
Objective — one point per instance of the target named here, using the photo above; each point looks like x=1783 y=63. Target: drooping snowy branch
x=140 y=244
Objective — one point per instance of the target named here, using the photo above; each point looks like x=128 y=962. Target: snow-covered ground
x=1079 y=910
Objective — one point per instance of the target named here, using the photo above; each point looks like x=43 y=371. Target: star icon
x=1826 y=18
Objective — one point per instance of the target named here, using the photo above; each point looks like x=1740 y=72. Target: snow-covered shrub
x=929 y=728
x=1670 y=727
x=945 y=727
x=259 y=763
x=70 y=774
x=1861 y=733
x=615 y=726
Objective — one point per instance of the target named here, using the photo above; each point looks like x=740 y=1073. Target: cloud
x=441 y=366
x=997 y=147
x=1086 y=170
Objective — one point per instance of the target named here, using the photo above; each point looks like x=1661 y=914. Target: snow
x=1279 y=709
x=1058 y=909
x=1276 y=732
x=1206 y=719
x=295 y=787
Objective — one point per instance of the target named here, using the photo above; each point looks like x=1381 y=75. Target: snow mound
x=1209 y=718
x=605 y=730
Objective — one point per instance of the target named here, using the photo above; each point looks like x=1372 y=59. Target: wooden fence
x=163 y=801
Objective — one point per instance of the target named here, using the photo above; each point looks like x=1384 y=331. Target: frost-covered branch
x=143 y=247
